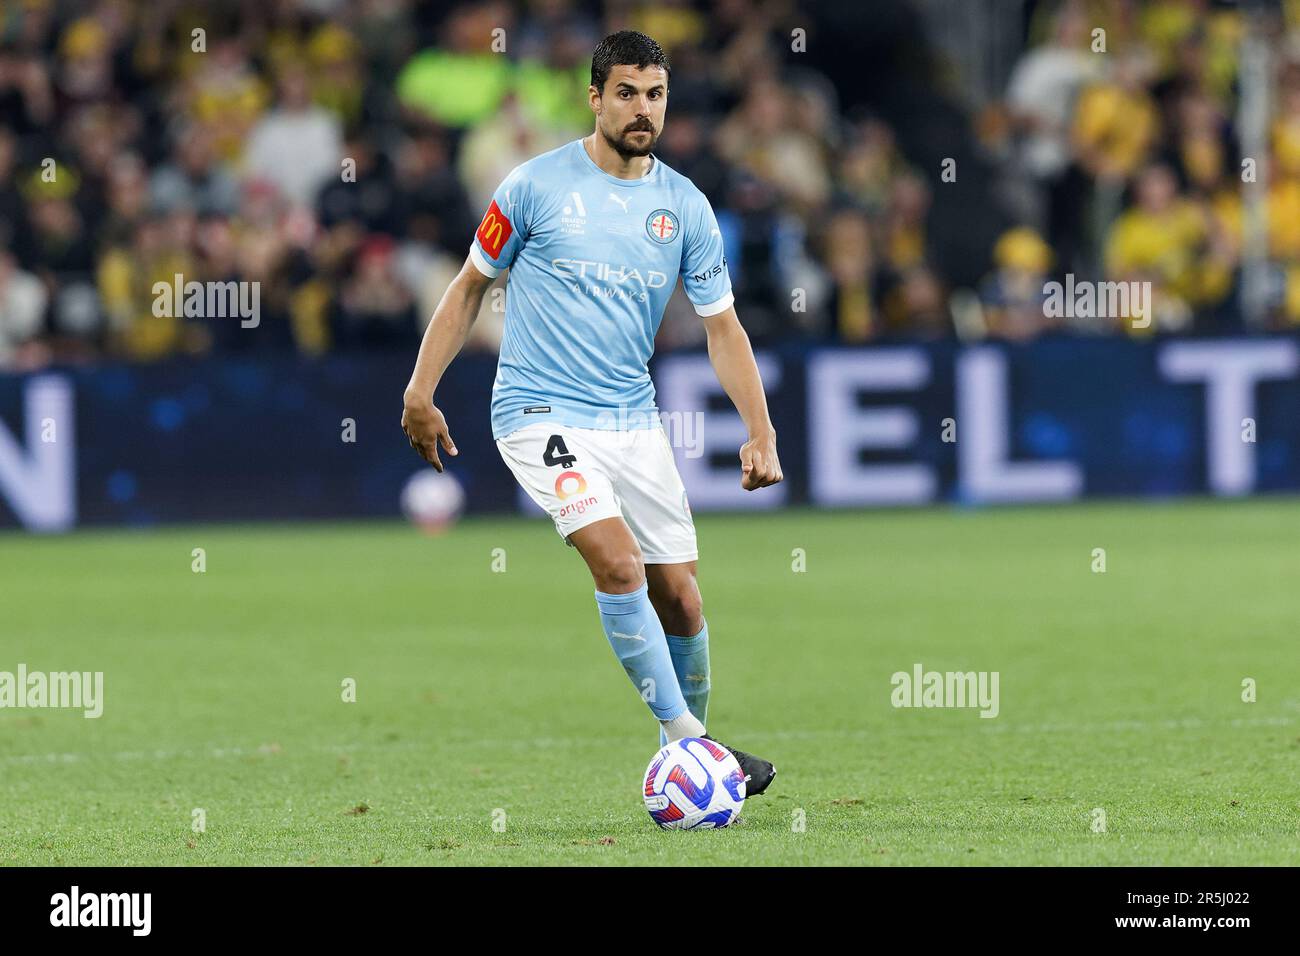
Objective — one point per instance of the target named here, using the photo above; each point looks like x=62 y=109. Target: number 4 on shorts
x=557 y=454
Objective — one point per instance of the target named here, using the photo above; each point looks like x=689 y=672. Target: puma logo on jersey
x=621 y=202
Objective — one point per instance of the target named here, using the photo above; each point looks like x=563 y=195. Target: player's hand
x=759 y=466
x=426 y=428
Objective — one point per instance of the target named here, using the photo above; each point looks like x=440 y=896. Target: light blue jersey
x=593 y=260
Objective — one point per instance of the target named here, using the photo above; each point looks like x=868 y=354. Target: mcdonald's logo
x=494 y=231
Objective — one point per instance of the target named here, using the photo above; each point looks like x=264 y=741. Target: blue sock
x=637 y=637
x=691 y=664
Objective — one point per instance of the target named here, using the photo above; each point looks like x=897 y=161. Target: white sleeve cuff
x=481 y=262
x=713 y=308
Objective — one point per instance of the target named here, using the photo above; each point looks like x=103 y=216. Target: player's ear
x=593 y=99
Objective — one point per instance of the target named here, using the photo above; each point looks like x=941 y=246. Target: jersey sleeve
x=504 y=228
x=704 y=264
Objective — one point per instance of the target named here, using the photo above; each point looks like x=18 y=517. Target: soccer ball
x=433 y=501
x=694 y=784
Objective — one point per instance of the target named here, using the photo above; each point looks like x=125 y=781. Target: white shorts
x=581 y=475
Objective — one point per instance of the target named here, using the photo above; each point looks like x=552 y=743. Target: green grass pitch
x=492 y=698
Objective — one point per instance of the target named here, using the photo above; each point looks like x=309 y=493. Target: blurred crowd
x=340 y=153
x=1123 y=158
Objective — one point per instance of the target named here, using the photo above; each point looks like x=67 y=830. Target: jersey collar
x=591 y=164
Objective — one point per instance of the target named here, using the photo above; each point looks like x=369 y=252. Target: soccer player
x=595 y=235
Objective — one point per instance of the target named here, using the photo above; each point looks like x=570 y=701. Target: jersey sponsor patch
x=708 y=274
x=494 y=231
x=534 y=409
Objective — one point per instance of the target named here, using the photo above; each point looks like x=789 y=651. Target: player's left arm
x=708 y=286
x=733 y=362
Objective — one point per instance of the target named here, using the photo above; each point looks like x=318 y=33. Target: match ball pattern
x=694 y=784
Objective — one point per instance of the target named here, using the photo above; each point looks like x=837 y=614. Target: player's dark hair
x=625 y=48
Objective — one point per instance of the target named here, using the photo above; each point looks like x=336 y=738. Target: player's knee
x=620 y=573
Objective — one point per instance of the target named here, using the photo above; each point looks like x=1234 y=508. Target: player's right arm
x=424 y=424
x=496 y=243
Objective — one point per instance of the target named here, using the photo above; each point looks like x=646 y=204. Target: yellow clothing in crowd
x=1163 y=244
x=1118 y=124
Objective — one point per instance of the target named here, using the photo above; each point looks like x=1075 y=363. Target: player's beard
x=626 y=147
